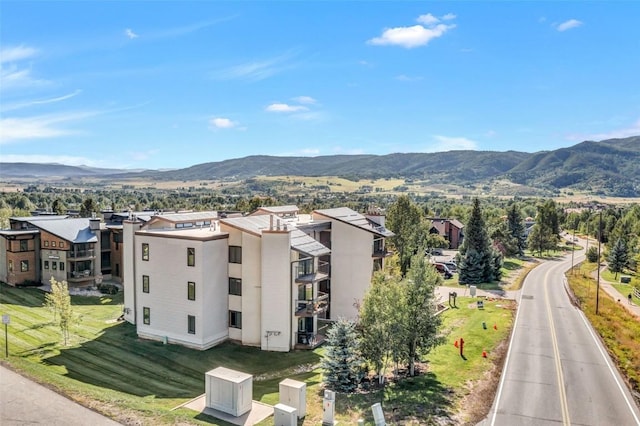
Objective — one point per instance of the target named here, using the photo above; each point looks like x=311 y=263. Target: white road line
x=566 y=420
x=506 y=363
x=606 y=360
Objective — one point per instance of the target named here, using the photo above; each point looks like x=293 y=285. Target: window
x=61 y=244
x=192 y=324
x=46 y=264
x=235 y=286
x=53 y=243
x=46 y=243
x=191 y=256
x=62 y=266
x=145 y=251
x=24 y=245
x=235 y=254
x=235 y=319
x=145 y=283
x=146 y=315
x=24 y=265
x=191 y=290
x=10 y=265
x=54 y=265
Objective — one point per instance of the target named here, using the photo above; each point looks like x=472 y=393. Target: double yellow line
x=563 y=395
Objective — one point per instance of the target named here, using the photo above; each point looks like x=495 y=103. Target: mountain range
x=609 y=167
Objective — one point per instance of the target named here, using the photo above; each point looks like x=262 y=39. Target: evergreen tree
x=476 y=257
x=544 y=234
x=88 y=208
x=515 y=225
x=342 y=362
x=592 y=255
x=618 y=257
x=58 y=207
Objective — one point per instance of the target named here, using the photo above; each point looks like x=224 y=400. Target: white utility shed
x=229 y=391
x=294 y=394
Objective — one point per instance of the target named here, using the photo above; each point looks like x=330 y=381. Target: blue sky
x=170 y=84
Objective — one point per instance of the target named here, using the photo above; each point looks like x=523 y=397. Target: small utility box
x=294 y=394
x=472 y=290
x=625 y=279
x=229 y=391
x=283 y=415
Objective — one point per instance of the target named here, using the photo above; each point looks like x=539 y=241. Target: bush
x=108 y=288
x=29 y=283
x=592 y=254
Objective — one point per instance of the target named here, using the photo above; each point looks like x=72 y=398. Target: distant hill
x=52 y=170
x=610 y=167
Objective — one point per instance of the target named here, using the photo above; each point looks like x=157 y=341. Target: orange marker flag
x=495 y=326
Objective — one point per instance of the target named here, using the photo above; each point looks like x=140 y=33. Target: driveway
x=24 y=402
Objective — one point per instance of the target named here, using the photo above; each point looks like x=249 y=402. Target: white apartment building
x=262 y=280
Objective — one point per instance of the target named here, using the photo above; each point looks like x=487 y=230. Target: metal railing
x=313 y=306
x=81 y=253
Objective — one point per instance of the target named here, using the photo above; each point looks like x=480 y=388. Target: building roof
x=186 y=216
x=16 y=232
x=75 y=230
x=351 y=217
x=276 y=210
x=299 y=240
x=37 y=218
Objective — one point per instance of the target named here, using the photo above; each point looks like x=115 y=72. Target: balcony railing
x=80 y=276
x=381 y=253
x=309 y=308
x=309 y=340
x=305 y=274
x=75 y=254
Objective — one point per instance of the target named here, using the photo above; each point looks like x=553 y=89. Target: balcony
x=81 y=254
x=306 y=275
x=310 y=308
x=80 y=276
x=309 y=340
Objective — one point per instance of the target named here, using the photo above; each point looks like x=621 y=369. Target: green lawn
x=108 y=368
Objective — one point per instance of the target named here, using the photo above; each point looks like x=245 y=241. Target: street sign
x=6 y=319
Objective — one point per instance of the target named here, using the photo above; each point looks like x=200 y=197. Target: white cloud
x=449 y=17
x=16 y=53
x=447 y=143
x=10 y=107
x=129 y=33
x=305 y=100
x=428 y=19
x=48 y=159
x=403 y=77
x=410 y=37
x=278 y=107
x=625 y=132
x=222 y=123
x=567 y=25
x=256 y=70
x=38 y=127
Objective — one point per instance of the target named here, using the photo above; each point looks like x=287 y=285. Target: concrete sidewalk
x=463 y=290
x=23 y=402
x=623 y=298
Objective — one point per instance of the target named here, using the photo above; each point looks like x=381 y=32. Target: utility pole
x=598 y=279
x=573 y=249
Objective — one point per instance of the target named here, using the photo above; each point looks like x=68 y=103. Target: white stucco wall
x=167 y=298
x=276 y=291
x=351 y=268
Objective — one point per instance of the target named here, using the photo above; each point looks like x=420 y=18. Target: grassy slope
x=617 y=327
x=108 y=369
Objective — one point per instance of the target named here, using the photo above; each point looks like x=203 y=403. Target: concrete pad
x=258 y=412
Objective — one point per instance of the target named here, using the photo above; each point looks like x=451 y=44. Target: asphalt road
x=557 y=371
x=23 y=402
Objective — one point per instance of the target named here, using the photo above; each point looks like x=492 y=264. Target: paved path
x=613 y=292
x=557 y=372
x=24 y=402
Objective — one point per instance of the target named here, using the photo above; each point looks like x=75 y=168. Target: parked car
x=451 y=265
x=444 y=270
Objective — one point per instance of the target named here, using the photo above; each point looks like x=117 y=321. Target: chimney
x=94 y=224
